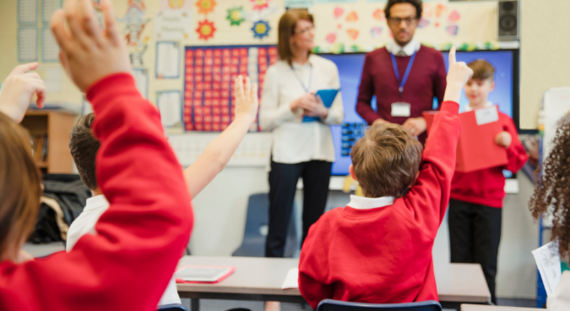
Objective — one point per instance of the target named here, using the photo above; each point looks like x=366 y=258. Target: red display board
x=209 y=75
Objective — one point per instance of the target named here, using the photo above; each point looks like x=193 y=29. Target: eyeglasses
x=304 y=30
x=397 y=20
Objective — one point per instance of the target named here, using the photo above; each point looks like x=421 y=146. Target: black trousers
x=282 y=186
x=474 y=237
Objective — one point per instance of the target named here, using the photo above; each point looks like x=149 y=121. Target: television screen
x=350 y=70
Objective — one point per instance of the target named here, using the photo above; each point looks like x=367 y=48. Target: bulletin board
x=210 y=72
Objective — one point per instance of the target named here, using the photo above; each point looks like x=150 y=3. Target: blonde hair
x=20 y=185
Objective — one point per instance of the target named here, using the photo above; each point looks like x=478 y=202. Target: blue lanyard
x=301 y=81
x=402 y=82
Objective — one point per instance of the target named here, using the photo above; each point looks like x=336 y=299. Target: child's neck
x=478 y=105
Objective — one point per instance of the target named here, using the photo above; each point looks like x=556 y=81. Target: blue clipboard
x=327 y=97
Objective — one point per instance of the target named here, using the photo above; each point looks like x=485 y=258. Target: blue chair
x=172 y=307
x=336 y=305
x=256 y=222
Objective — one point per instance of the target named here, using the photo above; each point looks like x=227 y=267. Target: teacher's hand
x=305 y=102
x=318 y=110
x=415 y=126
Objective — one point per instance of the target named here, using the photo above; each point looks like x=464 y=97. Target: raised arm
x=141 y=237
x=18 y=90
x=219 y=152
x=430 y=195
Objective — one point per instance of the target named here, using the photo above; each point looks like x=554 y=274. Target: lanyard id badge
x=402 y=82
x=401 y=109
x=306 y=88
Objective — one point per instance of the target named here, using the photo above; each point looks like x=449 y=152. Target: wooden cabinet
x=55 y=126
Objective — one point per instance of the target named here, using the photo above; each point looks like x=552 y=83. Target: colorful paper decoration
x=236 y=16
x=352 y=17
x=338 y=12
x=352 y=33
x=205 y=30
x=375 y=32
x=426 y=10
x=423 y=23
x=205 y=6
x=337 y=48
x=452 y=30
x=331 y=37
x=338 y=26
x=260 y=4
x=379 y=15
x=260 y=29
x=439 y=9
x=454 y=16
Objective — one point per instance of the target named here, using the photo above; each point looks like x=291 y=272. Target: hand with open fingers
x=246 y=98
x=305 y=102
x=89 y=52
x=503 y=139
x=18 y=90
x=457 y=76
x=415 y=126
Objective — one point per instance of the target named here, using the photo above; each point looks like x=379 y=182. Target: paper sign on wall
x=299 y=3
x=173 y=25
x=167 y=60
x=170 y=107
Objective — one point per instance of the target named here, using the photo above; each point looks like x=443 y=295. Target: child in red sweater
x=477 y=197
x=378 y=248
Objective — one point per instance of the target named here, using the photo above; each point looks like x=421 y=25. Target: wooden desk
x=467 y=307
x=260 y=279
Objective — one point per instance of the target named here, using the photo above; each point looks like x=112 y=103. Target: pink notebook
x=202 y=274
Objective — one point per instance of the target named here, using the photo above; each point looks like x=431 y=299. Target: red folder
x=476 y=149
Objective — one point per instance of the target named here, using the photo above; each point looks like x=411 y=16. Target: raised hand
x=503 y=139
x=89 y=52
x=457 y=76
x=246 y=98
x=18 y=90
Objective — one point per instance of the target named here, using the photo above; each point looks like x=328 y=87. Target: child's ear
x=492 y=86
x=351 y=171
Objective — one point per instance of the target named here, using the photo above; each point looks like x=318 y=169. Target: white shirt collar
x=409 y=49
x=96 y=202
x=487 y=105
x=368 y=203
x=307 y=64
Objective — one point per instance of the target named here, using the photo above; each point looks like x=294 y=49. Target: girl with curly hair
x=552 y=198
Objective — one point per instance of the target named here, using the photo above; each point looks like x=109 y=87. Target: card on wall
x=167 y=60
x=173 y=25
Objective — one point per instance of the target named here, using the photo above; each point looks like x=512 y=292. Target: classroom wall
x=544 y=54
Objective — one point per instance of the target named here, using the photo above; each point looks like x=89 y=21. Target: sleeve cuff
x=118 y=83
x=450 y=106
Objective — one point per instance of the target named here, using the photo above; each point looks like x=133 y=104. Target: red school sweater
x=383 y=255
x=141 y=237
x=487 y=186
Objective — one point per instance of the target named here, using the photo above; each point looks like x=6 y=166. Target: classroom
x=284 y=155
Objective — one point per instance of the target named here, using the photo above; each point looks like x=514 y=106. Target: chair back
x=336 y=305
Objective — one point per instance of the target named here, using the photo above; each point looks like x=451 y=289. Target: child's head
x=552 y=194
x=20 y=188
x=84 y=147
x=481 y=83
x=386 y=160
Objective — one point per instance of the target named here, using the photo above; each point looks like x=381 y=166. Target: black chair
x=256 y=223
x=172 y=307
x=336 y=305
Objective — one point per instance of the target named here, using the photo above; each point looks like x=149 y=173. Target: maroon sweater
x=426 y=81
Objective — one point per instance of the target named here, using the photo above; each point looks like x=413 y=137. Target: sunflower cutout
x=236 y=16
x=260 y=29
x=205 y=30
x=260 y=4
x=205 y=6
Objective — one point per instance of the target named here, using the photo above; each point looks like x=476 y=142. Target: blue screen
x=350 y=71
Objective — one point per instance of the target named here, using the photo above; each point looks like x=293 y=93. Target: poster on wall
x=27 y=44
x=173 y=25
x=167 y=60
x=208 y=82
x=50 y=48
x=170 y=106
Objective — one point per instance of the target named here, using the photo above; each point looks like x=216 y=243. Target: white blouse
x=293 y=140
x=560 y=298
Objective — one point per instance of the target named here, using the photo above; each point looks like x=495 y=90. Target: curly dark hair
x=552 y=195
x=415 y=3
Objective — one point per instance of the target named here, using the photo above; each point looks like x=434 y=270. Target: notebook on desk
x=202 y=274
x=327 y=97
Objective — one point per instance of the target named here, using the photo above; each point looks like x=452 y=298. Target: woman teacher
x=300 y=149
